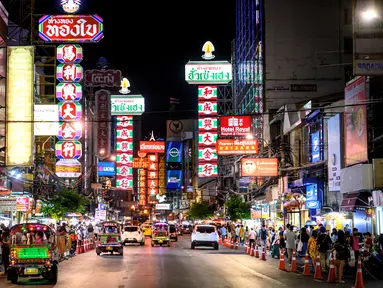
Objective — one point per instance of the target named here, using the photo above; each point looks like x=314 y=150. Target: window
x=347 y=45
x=131 y=229
x=205 y=229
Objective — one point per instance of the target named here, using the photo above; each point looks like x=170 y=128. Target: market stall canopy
x=355 y=200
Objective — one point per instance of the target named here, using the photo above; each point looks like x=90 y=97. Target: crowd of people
x=309 y=240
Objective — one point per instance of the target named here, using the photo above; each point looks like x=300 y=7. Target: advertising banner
x=237 y=147
x=235 y=125
x=355 y=122
x=68 y=168
x=174 y=179
x=174 y=152
x=46 y=120
x=259 y=167
x=106 y=169
x=19 y=103
x=316 y=147
x=335 y=155
x=124 y=151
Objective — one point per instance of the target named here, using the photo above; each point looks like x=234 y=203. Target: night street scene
x=194 y=144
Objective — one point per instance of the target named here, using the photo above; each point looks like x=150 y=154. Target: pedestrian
x=237 y=229
x=223 y=233
x=252 y=237
x=334 y=235
x=5 y=247
x=290 y=242
x=355 y=243
x=242 y=235
x=263 y=236
x=313 y=247
x=303 y=238
x=342 y=254
x=324 y=243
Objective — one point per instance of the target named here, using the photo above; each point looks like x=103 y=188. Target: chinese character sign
x=69 y=93
x=124 y=152
x=142 y=186
x=153 y=174
x=103 y=124
x=207 y=131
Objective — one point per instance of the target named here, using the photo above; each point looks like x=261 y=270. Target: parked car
x=187 y=229
x=205 y=235
x=133 y=234
x=173 y=232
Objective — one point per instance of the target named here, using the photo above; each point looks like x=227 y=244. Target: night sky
x=151 y=41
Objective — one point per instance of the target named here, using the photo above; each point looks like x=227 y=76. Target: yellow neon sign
x=19 y=111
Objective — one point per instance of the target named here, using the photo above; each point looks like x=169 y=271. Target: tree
x=237 y=209
x=200 y=211
x=66 y=201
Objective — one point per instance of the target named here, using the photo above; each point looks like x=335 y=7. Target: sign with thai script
x=237 y=147
x=212 y=72
x=68 y=168
x=152 y=146
x=127 y=105
x=71 y=28
x=103 y=78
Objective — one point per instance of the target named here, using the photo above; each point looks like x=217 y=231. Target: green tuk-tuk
x=160 y=234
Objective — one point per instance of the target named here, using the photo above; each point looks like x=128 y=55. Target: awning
x=355 y=200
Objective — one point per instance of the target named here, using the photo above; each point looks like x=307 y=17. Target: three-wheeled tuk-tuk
x=110 y=239
x=160 y=234
x=33 y=253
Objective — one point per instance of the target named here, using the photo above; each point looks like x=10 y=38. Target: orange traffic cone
x=231 y=244
x=294 y=262
x=306 y=267
x=318 y=271
x=236 y=245
x=263 y=257
x=248 y=248
x=220 y=241
x=246 y=245
x=256 y=251
x=78 y=247
x=331 y=274
x=282 y=265
x=359 y=276
x=252 y=250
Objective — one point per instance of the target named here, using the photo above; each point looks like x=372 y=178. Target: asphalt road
x=173 y=267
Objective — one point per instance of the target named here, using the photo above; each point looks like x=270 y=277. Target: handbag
x=300 y=244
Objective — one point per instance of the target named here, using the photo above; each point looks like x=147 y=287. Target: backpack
x=342 y=251
x=263 y=234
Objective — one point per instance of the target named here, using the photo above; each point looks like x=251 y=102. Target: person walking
x=263 y=236
x=342 y=254
x=313 y=247
x=303 y=238
x=5 y=247
x=242 y=235
x=252 y=237
x=223 y=233
x=290 y=242
x=324 y=243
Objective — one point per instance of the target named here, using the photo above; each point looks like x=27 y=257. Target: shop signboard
x=68 y=149
x=19 y=104
x=124 y=152
x=259 y=167
x=235 y=125
x=212 y=72
x=207 y=138
x=22 y=204
x=69 y=72
x=312 y=197
x=208 y=124
x=46 y=120
x=69 y=131
x=207 y=170
x=237 y=147
x=69 y=53
x=207 y=93
x=103 y=124
x=207 y=108
x=68 y=168
x=152 y=146
x=71 y=28
x=69 y=92
x=207 y=154
x=127 y=105
x=335 y=153
x=315 y=147
x=103 y=78
x=69 y=111
x=106 y=169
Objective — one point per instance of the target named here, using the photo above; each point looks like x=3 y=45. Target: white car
x=133 y=234
x=205 y=235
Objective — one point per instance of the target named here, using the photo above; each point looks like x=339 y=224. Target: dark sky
x=151 y=41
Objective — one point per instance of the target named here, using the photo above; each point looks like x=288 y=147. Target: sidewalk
x=270 y=269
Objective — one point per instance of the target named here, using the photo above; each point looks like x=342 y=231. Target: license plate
x=109 y=248
x=31 y=271
x=160 y=241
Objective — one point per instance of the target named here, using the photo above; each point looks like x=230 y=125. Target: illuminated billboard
x=19 y=102
x=46 y=119
x=127 y=105
x=212 y=72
